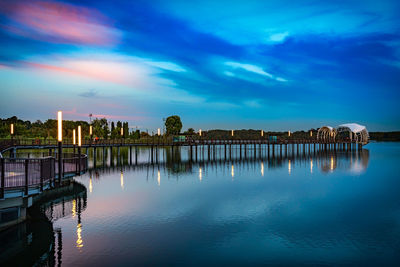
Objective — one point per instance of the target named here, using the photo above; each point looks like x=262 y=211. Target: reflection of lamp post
x=60 y=171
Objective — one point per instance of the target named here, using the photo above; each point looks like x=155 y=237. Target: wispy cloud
x=75 y=113
x=166 y=66
x=278 y=37
x=59 y=23
x=254 y=69
x=89 y=94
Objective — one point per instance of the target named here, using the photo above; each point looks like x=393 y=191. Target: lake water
x=295 y=208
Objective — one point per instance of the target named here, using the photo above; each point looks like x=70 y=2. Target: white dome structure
x=326 y=133
x=353 y=132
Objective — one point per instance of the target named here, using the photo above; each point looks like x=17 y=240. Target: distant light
x=158 y=178
x=158 y=131
x=232 y=171
x=311 y=133
x=311 y=165
x=262 y=132
x=200 y=132
x=74 y=136
x=79 y=136
x=59 y=118
x=12 y=128
x=122 y=131
x=232 y=133
x=288 y=133
x=289 y=167
x=90 y=129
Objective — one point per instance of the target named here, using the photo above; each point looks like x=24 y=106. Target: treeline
x=385 y=136
x=105 y=130
x=48 y=129
x=255 y=134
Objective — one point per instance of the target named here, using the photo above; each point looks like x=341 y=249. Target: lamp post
x=122 y=133
x=79 y=148
x=262 y=133
x=91 y=133
x=232 y=133
x=289 y=133
x=12 y=132
x=60 y=170
x=74 y=139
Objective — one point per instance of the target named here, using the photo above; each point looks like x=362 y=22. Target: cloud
x=89 y=94
x=75 y=113
x=166 y=66
x=59 y=23
x=254 y=69
x=278 y=37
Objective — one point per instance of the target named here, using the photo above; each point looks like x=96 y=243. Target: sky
x=272 y=65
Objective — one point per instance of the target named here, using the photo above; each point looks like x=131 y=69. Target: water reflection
x=224 y=219
x=354 y=162
x=35 y=242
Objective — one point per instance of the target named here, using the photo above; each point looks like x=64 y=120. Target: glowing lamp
x=262 y=132
x=12 y=129
x=122 y=131
x=79 y=136
x=59 y=119
x=232 y=133
x=158 y=131
x=73 y=137
x=311 y=133
x=200 y=132
x=288 y=133
x=91 y=130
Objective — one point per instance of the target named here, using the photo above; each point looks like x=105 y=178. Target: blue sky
x=273 y=65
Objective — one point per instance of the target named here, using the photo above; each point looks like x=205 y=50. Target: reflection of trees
x=174 y=160
x=34 y=242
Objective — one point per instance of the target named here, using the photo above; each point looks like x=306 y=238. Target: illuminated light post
x=232 y=133
x=91 y=133
x=262 y=133
x=310 y=133
x=59 y=138
x=289 y=133
x=158 y=131
x=79 y=148
x=200 y=132
x=12 y=131
x=74 y=138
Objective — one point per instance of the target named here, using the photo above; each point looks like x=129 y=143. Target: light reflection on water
x=319 y=208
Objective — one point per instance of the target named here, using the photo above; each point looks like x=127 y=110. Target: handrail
x=23 y=173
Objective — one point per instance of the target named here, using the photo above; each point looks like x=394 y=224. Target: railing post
x=41 y=174
x=26 y=176
x=2 y=178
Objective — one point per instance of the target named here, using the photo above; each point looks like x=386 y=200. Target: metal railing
x=24 y=173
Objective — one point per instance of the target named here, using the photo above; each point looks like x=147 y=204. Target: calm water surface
x=334 y=208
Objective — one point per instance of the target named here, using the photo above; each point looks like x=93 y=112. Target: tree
x=173 y=124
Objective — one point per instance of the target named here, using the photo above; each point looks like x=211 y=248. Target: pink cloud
x=75 y=113
x=110 y=71
x=59 y=23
